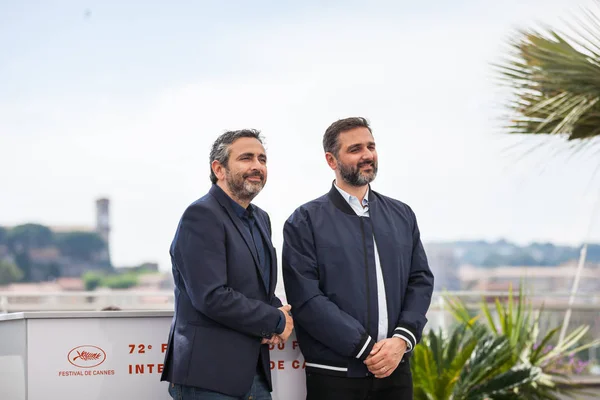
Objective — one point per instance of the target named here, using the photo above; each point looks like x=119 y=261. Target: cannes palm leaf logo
x=86 y=356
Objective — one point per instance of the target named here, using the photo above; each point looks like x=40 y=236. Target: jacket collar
x=338 y=200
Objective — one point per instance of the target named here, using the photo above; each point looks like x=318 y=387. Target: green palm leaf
x=555 y=81
x=495 y=357
x=468 y=364
x=504 y=385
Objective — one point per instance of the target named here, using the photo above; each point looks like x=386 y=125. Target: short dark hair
x=331 y=143
x=220 y=148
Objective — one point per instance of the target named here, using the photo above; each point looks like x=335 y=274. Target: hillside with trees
x=34 y=253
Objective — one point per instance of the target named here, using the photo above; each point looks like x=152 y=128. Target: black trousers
x=397 y=386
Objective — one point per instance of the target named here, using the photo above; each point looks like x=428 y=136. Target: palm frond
x=555 y=81
x=504 y=385
x=493 y=344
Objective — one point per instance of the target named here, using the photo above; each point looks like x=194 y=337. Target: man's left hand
x=385 y=357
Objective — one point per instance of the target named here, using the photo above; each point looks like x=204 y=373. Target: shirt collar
x=239 y=210
x=353 y=199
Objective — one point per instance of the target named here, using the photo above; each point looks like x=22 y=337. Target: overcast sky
x=124 y=98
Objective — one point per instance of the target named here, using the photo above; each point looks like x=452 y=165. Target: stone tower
x=103 y=224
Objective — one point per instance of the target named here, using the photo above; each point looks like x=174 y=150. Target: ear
x=331 y=160
x=218 y=169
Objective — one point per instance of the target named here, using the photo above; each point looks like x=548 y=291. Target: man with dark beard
x=357 y=276
x=225 y=272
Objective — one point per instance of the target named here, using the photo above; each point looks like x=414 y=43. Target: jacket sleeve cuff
x=407 y=335
x=275 y=302
x=281 y=324
x=364 y=347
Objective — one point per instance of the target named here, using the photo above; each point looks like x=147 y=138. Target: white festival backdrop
x=122 y=358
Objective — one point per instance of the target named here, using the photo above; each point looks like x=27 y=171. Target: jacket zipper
x=362 y=227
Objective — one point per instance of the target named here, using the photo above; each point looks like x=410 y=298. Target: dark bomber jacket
x=330 y=279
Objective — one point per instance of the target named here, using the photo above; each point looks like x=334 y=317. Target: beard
x=352 y=175
x=241 y=188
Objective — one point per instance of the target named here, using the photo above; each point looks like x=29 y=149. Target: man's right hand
x=289 y=322
x=274 y=340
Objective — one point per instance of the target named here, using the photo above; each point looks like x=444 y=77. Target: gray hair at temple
x=220 y=148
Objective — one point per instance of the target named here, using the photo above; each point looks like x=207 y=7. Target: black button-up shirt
x=264 y=256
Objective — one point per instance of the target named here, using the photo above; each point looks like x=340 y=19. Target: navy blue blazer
x=222 y=307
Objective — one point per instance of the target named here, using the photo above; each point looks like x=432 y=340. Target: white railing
x=163 y=300
x=85 y=301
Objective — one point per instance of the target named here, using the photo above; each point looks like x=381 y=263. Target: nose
x=368 y=155
x=258 y=166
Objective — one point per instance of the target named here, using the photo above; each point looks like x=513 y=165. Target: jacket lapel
x=218 y=193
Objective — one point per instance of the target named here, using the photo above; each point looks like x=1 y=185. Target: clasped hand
x=385 y=357
x=287 y=331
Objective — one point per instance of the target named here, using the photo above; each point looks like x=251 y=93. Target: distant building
x=444 y=265
x=539 y=280
x=156 y=281
x=57 y=285
x=103 y=224
x=145 y=267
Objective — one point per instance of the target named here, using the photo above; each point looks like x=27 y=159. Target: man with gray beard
x=225 y=272
x=357 y=276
